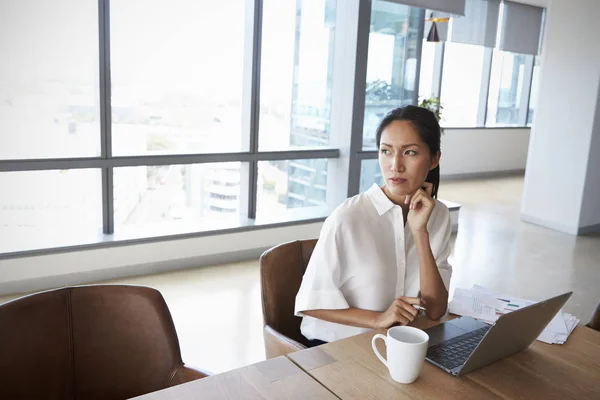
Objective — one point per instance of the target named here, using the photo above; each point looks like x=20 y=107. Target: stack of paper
x=486 y=305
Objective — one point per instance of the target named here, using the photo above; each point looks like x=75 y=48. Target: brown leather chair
x=89 y=342
x=281 y=272
x=595 y=321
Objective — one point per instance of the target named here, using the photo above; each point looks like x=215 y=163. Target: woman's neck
x=398 y=200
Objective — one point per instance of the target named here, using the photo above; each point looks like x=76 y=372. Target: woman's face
x=404 y=159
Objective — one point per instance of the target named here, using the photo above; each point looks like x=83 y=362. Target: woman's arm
x=433 y=290
x=400 y=312
x=349 y=316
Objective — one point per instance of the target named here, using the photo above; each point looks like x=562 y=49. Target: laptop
x=465 y=344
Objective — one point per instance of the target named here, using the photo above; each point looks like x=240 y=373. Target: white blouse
x=365 y=258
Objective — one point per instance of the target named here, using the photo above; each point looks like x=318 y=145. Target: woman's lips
x=397 y=181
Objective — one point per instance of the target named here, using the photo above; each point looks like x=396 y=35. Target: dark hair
x=429 y=129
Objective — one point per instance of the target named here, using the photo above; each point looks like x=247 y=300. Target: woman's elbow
x=436 y=312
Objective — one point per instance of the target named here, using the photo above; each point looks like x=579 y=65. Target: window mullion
x=251 y=105
x=488 y=55
x=105 y=115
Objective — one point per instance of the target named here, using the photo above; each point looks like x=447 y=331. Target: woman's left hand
x=421 y=207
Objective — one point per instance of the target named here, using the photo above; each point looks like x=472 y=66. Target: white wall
x=47 y=271
x=476 y=151
x=565 y=116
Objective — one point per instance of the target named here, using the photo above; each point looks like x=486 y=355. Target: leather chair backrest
x=281 y=270
x=34 y=341
x=595 y=320
x=87 y=342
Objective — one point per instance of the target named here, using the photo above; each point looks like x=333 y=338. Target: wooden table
x=277 y=378
x=350 y=369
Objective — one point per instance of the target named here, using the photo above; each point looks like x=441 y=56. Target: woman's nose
x=397 y=165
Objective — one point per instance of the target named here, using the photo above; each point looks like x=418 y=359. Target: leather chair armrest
x=277 y=344
x=185 y=374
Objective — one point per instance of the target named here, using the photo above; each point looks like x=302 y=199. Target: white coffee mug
x=406 y=350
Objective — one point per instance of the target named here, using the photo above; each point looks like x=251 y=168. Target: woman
x=383 y=252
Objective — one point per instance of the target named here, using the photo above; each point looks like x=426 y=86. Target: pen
x=419 y=307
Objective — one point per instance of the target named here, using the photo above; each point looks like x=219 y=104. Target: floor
x=217 y=310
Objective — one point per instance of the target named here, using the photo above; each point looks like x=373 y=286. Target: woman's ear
x=435 y=160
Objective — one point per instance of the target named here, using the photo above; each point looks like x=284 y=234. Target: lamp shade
x=433 y=35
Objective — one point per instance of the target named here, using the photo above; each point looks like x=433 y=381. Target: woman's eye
x=385 y=151
x=410 y=153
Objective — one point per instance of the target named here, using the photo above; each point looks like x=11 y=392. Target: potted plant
x=433 y=104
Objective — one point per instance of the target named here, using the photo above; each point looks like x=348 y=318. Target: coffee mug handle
x=377 y=353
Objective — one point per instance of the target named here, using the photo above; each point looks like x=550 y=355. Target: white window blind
x=479 y=25
x=456 y=7
x=521 y=28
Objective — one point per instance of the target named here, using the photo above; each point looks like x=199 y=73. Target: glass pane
x=461 y=84
x=370 y=174
x=296 y=73
x=194 y=194
x=392 y=63
x=49 y=75
x=506 y=88
x=43 y=209
x=533 y=98
x=426 y=74
x=285 y=185
x=177 y=71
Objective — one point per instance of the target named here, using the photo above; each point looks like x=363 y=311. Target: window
x=200 y=139
x=533 y=98
x=392 y=63
x=296 y=73
x=461 y=84
x=182 y=88
x=177 y=70
x=506 y=88
x=197 y=194
x=370 y=173
x=41 y=204
x=427 y=74
x=285 y=185
x=49 y=79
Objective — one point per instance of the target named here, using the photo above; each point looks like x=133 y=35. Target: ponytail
x=434 y=177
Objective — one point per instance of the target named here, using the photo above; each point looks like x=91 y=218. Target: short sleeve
x=442 y=248
x=320 y=288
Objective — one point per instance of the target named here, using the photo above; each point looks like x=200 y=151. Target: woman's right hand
x=400 y=312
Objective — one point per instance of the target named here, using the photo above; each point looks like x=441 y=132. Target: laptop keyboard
x=454 y=352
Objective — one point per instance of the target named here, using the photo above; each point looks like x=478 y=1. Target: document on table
x=473 y=304
x=486 y=305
